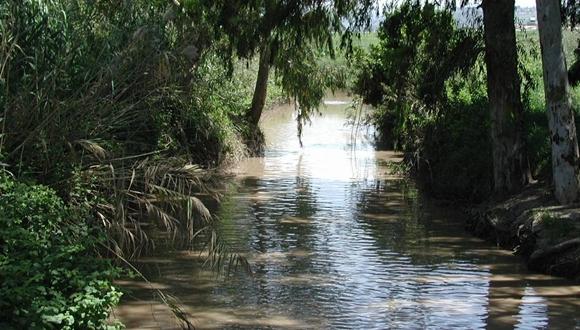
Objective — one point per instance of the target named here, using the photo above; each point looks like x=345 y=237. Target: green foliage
x=287 y=25
x=425 y=81
x=110 y=104
x=405 y=74
x=428 y=85
x=123 y=76
x=419 y=49
x=113 y=106
x=304 y=77
x=536 y=120
x=457 y=150
x=285 y=34
x=206 y=122
x=50 y=276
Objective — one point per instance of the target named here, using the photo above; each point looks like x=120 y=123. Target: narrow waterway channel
x=336 y=242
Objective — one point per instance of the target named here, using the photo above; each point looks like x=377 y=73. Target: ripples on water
x=336 y=242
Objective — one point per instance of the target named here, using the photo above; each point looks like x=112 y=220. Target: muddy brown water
x=336 y=242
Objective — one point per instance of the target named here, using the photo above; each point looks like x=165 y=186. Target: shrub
x=424 y=78
x=457 y=152
x=50 y=276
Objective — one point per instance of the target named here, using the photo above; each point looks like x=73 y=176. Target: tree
x=510 y=165
x=282 y=30
x=261 y=89
x=565 y=154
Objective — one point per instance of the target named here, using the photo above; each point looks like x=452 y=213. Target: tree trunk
x=511 y=170
x=261 y=91
x=561 y=119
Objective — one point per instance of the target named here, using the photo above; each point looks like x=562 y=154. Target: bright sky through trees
x=520 y=3
x=526 y=3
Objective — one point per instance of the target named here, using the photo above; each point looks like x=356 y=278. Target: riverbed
x=336 y=241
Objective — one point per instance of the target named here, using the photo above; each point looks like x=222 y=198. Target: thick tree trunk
x=510 y=164
x=561 y=119
x=261 y=90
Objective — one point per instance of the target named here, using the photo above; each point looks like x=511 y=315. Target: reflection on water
x=337 y=242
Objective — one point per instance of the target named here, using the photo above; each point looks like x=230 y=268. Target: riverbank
x=535 y=227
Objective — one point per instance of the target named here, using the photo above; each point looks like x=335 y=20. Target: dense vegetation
x=115 y=119
x=436 y=108
x=50 y=276
x=101 y=104
x=429 y=108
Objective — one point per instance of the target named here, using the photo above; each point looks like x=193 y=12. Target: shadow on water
x=335 y=241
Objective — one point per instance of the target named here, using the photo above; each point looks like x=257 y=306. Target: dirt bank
x=531 y=223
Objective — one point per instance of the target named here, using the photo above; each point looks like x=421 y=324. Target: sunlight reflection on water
x=335 y=241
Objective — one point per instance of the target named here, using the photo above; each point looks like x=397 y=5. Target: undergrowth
x=51 y=278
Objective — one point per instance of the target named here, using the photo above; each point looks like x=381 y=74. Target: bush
x=457 y=152
x=424 y=78
x=450 y=145
x=50 y=276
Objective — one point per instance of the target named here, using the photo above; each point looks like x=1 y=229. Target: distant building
x=526 y=16
x=473 y=16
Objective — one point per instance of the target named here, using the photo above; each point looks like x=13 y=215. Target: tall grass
x=126 y=109
x=111 y=104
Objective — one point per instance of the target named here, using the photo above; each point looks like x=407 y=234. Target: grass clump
x=556 y=228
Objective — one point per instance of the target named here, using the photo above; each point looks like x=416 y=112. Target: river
x=336 y=242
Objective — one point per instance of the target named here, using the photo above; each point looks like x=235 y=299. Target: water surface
x=337 y=242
